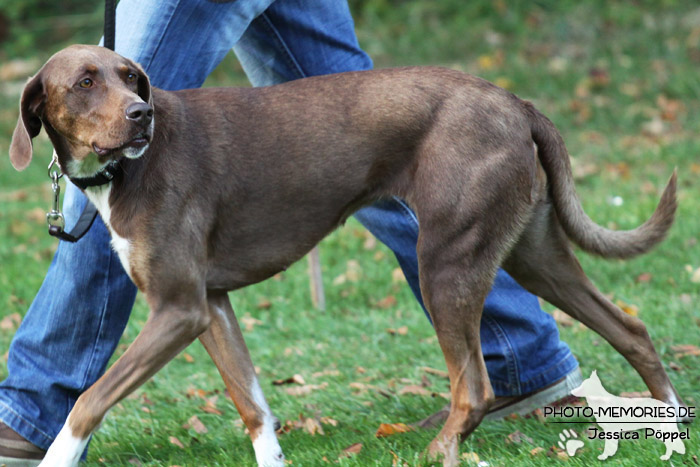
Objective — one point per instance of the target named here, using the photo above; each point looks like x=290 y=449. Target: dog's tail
x=578 y=226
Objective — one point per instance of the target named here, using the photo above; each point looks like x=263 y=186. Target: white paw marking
x=66 y=449
x=268 y=452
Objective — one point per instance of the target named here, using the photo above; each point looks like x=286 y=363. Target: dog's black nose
x=140 y=113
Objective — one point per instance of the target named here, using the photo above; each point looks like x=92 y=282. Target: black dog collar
x=102 y=177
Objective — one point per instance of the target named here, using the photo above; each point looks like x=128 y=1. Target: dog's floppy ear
x=28 y=123
x=144 y=84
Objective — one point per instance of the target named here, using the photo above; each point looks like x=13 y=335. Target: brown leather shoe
x=15 y=451
x=556 y=394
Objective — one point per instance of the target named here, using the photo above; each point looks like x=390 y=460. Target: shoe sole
x=540 y=399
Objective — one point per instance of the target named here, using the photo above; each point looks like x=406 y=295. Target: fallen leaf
x=296 y=379
x=685 y=350
x=635 y=394
x=176 y=442
x=389 y=429
x=318 y=374
x=313 y=426
x=188 y=358
x=264 y=304
x=675 y=366
x=386 y=302
x=632 y=310
x=329 y=421
x=414 y=389
x=517 y=437
x=11 y=322
x=351 y=450
x=249 y=322
x=305 y=389
x=195 y=423
x=471 y=457
x=644 y=278
x=536 y=451
x=397 y=276
x=210 y=406
x=433 y=371
x=562 y=318
x=402 y=331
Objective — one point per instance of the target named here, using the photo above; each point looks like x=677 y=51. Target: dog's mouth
x=140 y=141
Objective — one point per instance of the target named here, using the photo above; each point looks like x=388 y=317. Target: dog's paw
x=569 y=442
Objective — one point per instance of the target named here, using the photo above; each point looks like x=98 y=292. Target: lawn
x=620 y=81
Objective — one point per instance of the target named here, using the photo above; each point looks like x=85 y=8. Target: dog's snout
x=140 y=113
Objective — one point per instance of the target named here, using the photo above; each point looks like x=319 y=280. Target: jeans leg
x=79 y=314
x=69 y=332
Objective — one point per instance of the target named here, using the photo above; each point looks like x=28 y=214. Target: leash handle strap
x=83 y=225
x=90 y=211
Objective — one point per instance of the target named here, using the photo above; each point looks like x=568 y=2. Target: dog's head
x=94 y=104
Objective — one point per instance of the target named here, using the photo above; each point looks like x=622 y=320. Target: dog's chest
x=99 y=196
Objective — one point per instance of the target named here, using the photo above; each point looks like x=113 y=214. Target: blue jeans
x=75 y=322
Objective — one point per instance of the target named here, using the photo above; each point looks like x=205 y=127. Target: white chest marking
x=99 y=196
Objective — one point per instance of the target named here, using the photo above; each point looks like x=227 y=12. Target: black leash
x=55 y=217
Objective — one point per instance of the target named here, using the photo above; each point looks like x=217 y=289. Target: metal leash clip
x=55 y=217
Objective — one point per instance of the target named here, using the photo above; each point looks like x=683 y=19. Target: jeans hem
x=24 y=427
x=549 y=376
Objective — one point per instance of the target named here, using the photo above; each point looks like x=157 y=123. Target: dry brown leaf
x=675 y=366
x=397 y=276
x=402 y=331
x=517 y=437
x=386 y=302
x=353 y=272
x=328 y=421
x=685 y=350
x=389 y=429
x=562 y=318
x=433 y=371
x=635 y=394
x=351 y=450
x=210 y=406
x=305 y=389
x=249 y=322
x=188 y=358
x=264 y=304
x=414 y=389
x=196 y=424
x=313 y=426
x=471 y=457
x=11 y=322
x=632 y=310
x=176 y=442
x=318 y=374
x=296 y=379
x=536 y=451
x=644 y=278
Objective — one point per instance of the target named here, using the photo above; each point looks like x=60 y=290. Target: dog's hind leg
x=543 y=262
x=224 y=342
x=454 y=289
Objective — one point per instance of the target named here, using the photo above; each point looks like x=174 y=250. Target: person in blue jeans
x=75 y=322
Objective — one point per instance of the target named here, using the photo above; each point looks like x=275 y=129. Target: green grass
x=620 y=81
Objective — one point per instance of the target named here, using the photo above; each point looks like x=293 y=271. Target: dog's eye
x=86 y=83
x=131 y=77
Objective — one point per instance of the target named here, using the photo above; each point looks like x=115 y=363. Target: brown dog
x=222 y=188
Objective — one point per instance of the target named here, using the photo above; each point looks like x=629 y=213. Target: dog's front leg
x=170 y=328
x=224 y=342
